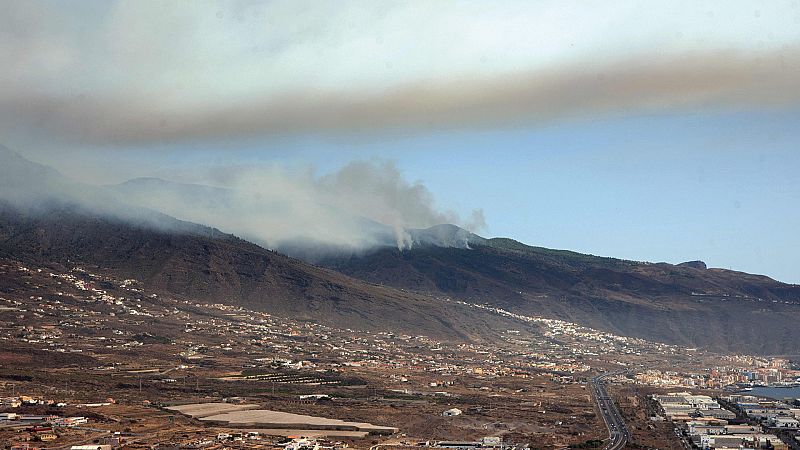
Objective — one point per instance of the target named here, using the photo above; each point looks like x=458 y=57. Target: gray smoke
x=721 y=79
x=360 y=206
x=143 y=72
x=363 y=205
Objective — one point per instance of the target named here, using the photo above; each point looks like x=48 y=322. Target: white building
x=785 y=422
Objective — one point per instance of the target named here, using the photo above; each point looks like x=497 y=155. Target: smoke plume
x=724 y=79
x=361 y=206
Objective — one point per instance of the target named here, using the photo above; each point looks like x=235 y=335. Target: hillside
x=207 y=265
x=684 y=304
x=48 y=219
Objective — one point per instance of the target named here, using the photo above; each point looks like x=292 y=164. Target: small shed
x=452 y=412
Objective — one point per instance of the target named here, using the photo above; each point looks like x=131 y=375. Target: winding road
x=617 y=432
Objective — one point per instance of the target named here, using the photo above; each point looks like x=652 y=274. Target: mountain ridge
x=201 y=263
x=399 y=289
x=676 y=304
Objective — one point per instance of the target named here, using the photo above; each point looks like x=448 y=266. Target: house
x=458 y=445
x=491 y=441
x=316 y=397
x=785 y=422
x=452 y=412
x=73 y=421
x=47 y=437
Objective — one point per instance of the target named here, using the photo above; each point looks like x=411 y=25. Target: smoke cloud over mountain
x=360 y=206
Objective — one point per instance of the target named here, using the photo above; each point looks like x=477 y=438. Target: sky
x=657 y=131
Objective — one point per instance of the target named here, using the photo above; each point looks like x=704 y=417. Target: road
x=617 y=432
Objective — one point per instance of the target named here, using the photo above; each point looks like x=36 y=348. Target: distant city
x=210 y=370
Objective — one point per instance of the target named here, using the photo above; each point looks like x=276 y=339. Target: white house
x=452 y=412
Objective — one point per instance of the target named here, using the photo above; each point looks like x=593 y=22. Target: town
x=92 y=360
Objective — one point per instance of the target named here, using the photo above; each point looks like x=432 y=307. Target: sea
x=777 y=393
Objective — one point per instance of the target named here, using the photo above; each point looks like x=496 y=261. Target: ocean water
x=778 y=393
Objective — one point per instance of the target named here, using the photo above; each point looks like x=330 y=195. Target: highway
x=617 y=432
